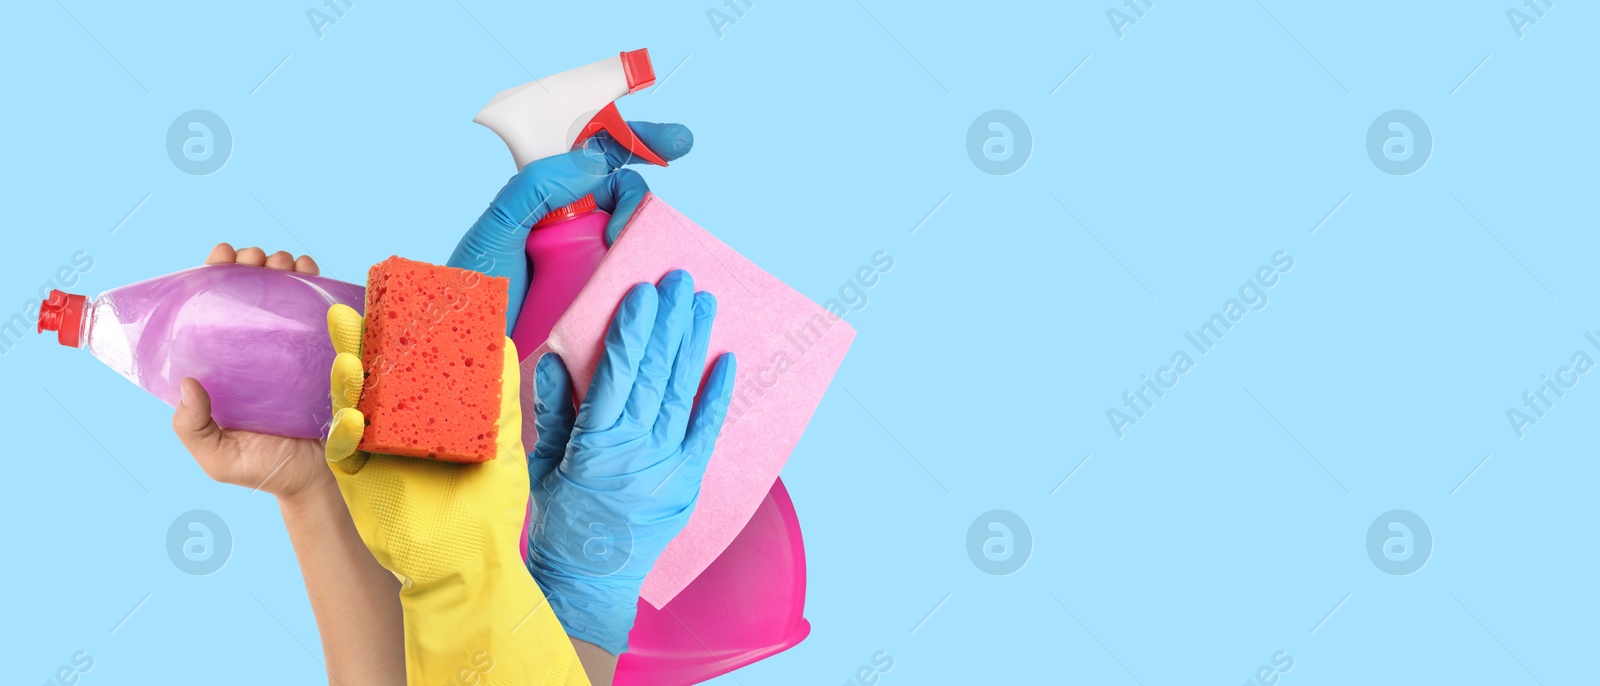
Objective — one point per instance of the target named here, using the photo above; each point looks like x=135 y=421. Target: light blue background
x=1204 y=140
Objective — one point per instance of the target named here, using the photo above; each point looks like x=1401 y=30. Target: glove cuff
x=599 y=610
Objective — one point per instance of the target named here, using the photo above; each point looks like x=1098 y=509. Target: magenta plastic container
x=747 y=606
x=564 y=248
x=255 y=338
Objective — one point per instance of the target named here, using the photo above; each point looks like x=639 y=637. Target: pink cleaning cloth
x=788 y=347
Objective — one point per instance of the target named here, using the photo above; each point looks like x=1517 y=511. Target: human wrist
x=600 y=610
x=318 y=489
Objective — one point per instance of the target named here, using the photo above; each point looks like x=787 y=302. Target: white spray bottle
x=548 y=117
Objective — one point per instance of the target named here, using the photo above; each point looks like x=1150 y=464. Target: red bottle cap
x=583 y=206
x=636 y=65
x=63 y=314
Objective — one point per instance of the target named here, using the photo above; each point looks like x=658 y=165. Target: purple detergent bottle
x=255 y=338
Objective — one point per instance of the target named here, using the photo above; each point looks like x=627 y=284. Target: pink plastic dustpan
x=746 y=606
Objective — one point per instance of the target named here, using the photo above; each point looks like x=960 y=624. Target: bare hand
x=284 y=467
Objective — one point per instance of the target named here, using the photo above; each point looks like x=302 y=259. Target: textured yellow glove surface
x=450 y=532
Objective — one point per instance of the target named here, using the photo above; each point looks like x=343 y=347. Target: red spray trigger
x=610 y=121
x=640 y=75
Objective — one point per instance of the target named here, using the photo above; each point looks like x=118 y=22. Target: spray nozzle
x=537 y=120
x=636 y=66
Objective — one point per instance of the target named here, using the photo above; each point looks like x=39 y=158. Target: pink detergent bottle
x=255 y=338
x=749 y=604
x=548 y=117
x=564 y=248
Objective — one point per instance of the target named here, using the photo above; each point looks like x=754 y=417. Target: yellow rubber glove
x=451 y=533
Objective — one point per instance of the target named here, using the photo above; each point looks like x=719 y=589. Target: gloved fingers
x=508 y=427
x=670 y=141
x=686 y=373
x=673 y=318
x=544 y=185
x=553 y=415
x=620 y=196
x=345 y=381
x=626 y=340
x=344 y=329
x=343 y=437
x=622 y=192
x=705 y=425
x=552 y=182
x=547 y=184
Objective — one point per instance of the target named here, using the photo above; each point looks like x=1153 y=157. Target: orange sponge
x=433 y=352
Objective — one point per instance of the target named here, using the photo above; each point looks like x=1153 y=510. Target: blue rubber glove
x=497 y=244
x=615 y=483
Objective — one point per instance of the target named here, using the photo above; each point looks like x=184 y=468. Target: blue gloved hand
x=615 y=483
x=497 y=244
